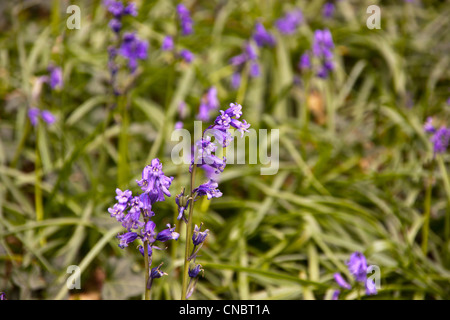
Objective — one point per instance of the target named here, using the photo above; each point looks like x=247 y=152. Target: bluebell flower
x=56 y=78
x=2 y=296
x=357 y=265
x=236 y=80
x=148 y=232
x=133 y=49
x=123 y=196
x=336 y=294
x=115 y=25
x=186 y=22
x=198 y=237
x=186 y=55
x=208 y=103
x=262 y=37
x=126 y=239
x=428 y=126
x=322 y=49
x=117 y=212
x=33 y=115
x=182 y=202
x=305 y=62
x=167 y=44
x=193 y=272
x=341 y=281
x=157 y=273
x=440 y=140
x=371 y=288
x=131 y=220
x=167 y=234
x=154 y=182
x=114 y=7
x=290 y=22
x=328 y=10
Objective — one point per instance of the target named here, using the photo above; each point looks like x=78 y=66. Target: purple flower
x=262 y=37
x=341 y=281
x=328 y=10
x=157 y=273
x=114 y=7
x=126 y=239
x=236 y=80
x=130 y=9
x=336 y=294
x=148 y=232
x=167 y=44
x=209 y=189
x=117 y=212
x=154 y=182
x=182 y=203
x=428 y=126
x=357 y=265
x=2 y=296
x=142 y=251
x=440 y=140
x=371 y=288
x=133 y=48
x=322 y=49
x=193 y=272
x=123 y=196
x=290 y=22
x=186 y=55
x=145 y=203
x=305 y=62
x=254 y=70
x=167 y=234
x=178 y=125
x=131 y=220
x=186 y=22
x=115 y=25
x=33 y=115
x=199 y=236
x=56 y=81
x=209 y=102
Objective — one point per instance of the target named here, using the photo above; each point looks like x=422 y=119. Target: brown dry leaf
x=317 y=107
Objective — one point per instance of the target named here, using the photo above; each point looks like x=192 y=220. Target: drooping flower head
x=167 y=234
x=262 y=37
x=440 y=140
x=290 y=22
x=126 y=239
x=328 y=10
x=186 y=55
x=167 y=44
x=56 y=78
x=199 y=236
x=357 y=265
x=193 y=272
x=341 y=281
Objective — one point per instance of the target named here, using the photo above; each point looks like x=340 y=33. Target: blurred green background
x=358 y=174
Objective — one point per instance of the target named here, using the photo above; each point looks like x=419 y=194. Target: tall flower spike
x=186 y=22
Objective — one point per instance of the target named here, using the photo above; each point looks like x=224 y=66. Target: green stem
x=123 y=144
x=188 y=237
x=427 y=210
x=37 y=185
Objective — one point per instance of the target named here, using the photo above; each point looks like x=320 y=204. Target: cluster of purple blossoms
x=322 y=49
x=208 y=103
x=290 y=22
x=440 y=137
x=34 y=114
x=186 y=22
x=357 y=266
x=129 y=46
x=262 y=37
x=119 y=10
x=248 y=55
x=132 y=49
x=134 y=212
